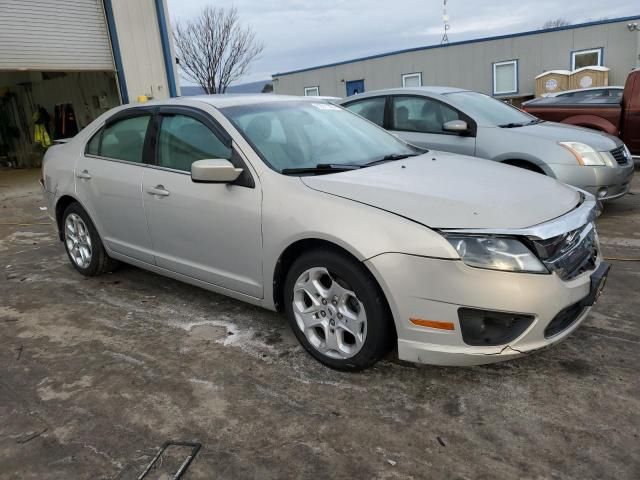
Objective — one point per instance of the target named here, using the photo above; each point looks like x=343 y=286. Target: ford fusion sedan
x=361 y=239
x=471 y=123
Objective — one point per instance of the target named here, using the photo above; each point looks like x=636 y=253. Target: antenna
x=445 y=21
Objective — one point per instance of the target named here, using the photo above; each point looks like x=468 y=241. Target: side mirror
x=214 y=171
x=456 y=126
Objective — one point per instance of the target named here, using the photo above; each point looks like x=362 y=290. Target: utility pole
x=445 y=21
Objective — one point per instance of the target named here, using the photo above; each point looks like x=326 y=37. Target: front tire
x=337 y=310
x=83 y=244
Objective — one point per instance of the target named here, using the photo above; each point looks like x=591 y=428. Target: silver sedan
x=361 y=239
x=471 y=123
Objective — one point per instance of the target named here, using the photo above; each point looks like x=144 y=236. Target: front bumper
x=604 y=182
x=435 y=289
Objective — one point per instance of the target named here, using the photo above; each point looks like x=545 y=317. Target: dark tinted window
x=93 y=147
x=183 y=140
x=124 y=139
x=372 y=109
x=591 y=93
x=417 y=114
x=616 y=92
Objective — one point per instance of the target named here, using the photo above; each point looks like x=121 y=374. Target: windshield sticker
x=325 y=106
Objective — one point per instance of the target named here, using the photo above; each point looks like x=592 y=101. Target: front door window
x=184 y=140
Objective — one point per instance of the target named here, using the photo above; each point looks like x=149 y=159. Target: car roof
x=430 y=90
x=233 y=100
x=228 y=100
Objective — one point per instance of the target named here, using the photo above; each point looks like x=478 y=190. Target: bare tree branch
x=558 y=22
x=214 y=50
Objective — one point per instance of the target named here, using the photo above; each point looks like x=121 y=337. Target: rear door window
x=371 y=108
x=122 y=140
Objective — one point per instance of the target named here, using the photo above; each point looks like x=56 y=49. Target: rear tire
x=83 y=244
x=337 y=310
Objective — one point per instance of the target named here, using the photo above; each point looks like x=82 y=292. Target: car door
x=211 y=232
x=420 y=120
x=109 y=183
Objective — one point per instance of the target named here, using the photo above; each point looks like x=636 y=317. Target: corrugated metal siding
x=469 y=65
x=54 y=35
x=141 y=48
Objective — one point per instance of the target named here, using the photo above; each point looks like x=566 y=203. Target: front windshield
x=303 y=134
x=489 y=109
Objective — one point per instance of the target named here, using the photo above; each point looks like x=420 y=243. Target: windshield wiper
x=321 y=168
x=523 y=124
x=391 y=158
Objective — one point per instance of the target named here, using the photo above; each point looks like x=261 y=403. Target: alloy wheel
x=329 y=313
x=78 y=240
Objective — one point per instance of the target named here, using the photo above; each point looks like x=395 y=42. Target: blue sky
x=300 y=34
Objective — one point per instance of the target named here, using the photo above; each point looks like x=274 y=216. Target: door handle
x=83 y=174
x=158 y=190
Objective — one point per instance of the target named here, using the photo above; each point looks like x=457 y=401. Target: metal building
x=69 y=61
x=504 y=66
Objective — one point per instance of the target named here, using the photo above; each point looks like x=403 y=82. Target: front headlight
x=584 y=153
x=496 y=253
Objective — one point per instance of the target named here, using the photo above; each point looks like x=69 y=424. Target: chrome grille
x=620 y=155
x=570 y=254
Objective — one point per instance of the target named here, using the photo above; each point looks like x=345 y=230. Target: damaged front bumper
x=435 y=291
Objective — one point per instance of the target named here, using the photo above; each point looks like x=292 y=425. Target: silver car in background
x=471 y=123
x=361 y=239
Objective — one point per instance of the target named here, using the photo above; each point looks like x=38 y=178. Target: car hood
x=561 y=132
x=444 y=190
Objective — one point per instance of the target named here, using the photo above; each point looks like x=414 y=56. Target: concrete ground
x=97 y=373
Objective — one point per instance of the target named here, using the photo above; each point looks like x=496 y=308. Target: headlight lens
x=584 y=153
x=496 y=253
x=627 y=152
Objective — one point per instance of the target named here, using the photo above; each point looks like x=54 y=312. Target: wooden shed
x=588 y=77
x=552 y=81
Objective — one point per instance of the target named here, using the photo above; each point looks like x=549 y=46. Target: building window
x=412 y=80
x=586 y=58
x=505 y=77
x=311 y=91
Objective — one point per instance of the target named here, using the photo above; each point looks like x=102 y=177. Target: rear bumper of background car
x=427 y=291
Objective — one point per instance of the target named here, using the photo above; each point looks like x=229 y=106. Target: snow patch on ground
x=243 y=338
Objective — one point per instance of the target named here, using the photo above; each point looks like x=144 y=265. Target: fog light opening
x=487 y=328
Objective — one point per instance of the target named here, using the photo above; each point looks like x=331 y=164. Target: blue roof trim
x=463 y=42
x=115 y=49
x=166 y=48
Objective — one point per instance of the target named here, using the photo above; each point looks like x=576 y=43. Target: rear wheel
x=83 y=244
x=337 y=310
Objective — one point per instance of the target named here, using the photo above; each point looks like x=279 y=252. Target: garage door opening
x=37 y=108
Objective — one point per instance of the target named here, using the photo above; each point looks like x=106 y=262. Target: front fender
x=361 y=230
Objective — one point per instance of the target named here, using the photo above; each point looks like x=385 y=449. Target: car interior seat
x=259 y=132
x=128 y=146
x=431 y=118
x=193 y=141
x=402 y=119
